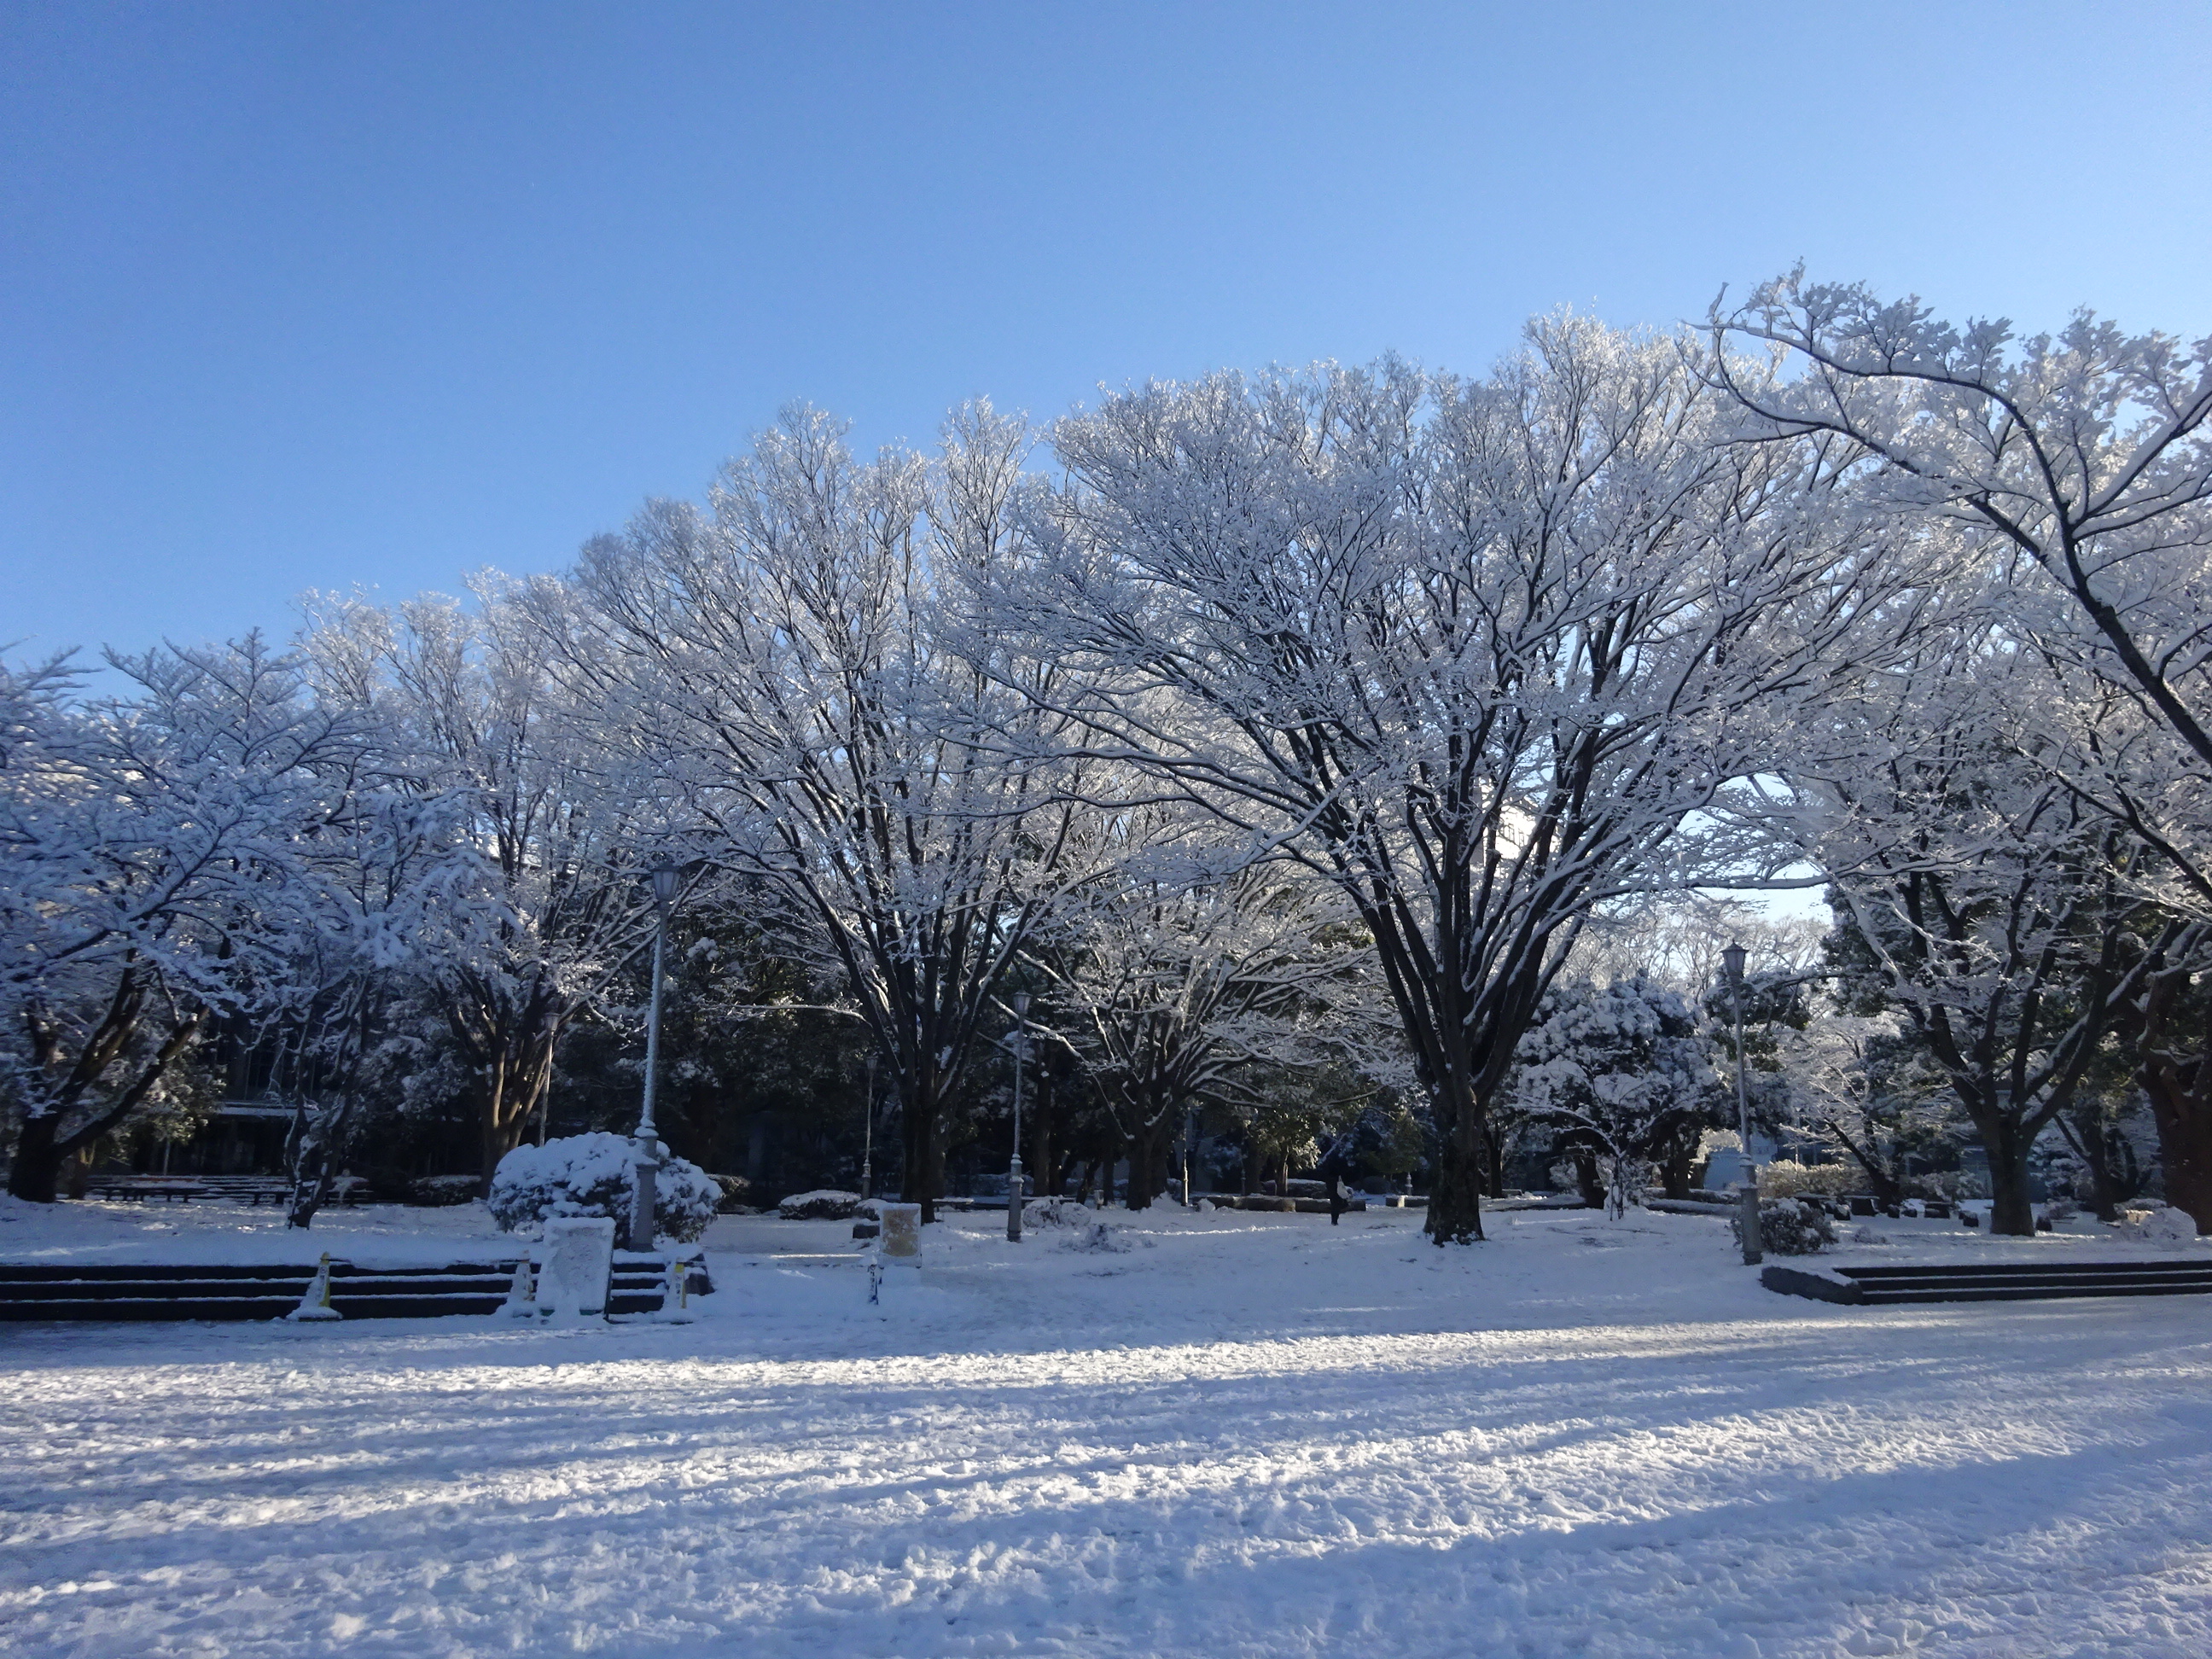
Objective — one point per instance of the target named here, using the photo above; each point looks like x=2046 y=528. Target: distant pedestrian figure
x=1331 y=1172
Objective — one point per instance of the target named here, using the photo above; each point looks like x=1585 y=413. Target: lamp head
x=666 y=878
x=1732 y=958
x=1021 y=1001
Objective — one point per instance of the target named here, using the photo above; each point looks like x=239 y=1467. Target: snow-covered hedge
x=823 y=1204
x=440 y=1192
x=1782 y=1179
x=1790 y=1226
x=590 y=1175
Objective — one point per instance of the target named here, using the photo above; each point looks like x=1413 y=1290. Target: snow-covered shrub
x=590 y=1175
x=737 y=1193
x=1788 y=1226
x=1096 y=1237
x=2162 y=1226
x=440 y=1192
x=1055 y=1212
x=685 y=1199
x=823 y=1204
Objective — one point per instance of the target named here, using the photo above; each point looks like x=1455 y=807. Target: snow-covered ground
x=139 y=1232
x=1239 y=1435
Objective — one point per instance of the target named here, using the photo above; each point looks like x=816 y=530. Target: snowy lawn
x=1241 y=1434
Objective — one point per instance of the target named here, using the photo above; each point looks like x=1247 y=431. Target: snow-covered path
x=1243 y=1436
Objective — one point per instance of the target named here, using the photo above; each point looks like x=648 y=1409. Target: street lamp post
x=645 y=1145
x=1021 y=1001
x=868 y=1137
x=1747 y=1198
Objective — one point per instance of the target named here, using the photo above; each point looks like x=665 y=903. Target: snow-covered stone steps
x=1992 y=1281
x=238 y=1291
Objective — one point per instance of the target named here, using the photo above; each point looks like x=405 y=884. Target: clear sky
x=313 y=294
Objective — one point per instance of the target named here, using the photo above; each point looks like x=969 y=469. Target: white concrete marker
x=579 y=1260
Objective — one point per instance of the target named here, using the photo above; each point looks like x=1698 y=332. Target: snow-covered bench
x=141 y=1188
x=251 y=1190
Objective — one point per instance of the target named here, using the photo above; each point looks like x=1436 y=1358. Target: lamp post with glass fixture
x=1021 y=1003
x=1747 y=1198
x=646 y=1152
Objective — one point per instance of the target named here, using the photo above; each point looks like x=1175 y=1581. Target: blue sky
x=312 y=296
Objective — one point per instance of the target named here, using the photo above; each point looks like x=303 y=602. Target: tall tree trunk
x=1677 y=1160
x=499 y=1127
x=516 y=1081
x=1881 y=1180
x=35 y=1174
x=2181 y=1105
x=1040 y=1139
x=2176 y=1078
x=2114 y=1175
x=2011 y=1211
x=1586 y=1178
x=1138 y=1193
x=310 y=1179
x=922 y=1143
x=1462 y=1170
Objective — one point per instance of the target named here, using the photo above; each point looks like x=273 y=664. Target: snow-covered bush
x=737 y=1193
x=1095 y=1237
x=1790 y=1226
x=1046 y=1212
x=590 y=1175
x=2161 y=1225
x=823 y=1204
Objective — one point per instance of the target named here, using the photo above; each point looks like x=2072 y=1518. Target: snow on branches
x=1620 y=1072
x=1474 y=652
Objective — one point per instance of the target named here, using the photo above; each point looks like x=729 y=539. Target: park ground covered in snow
x=1227 y=1434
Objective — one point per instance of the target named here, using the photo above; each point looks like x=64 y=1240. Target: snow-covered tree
x=1474 y=651
x=1863 y=1085
x=154 y=848
x=1977 y=897
x=375 y=882
x=1619 y=1071
x=1187 y=972
x=468 y=722
x=807 y=669
x=2085 y=459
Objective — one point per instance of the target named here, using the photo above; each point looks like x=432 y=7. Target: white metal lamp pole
x=645 y=1146
x=1747 y=1198
x=1021 y=1001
